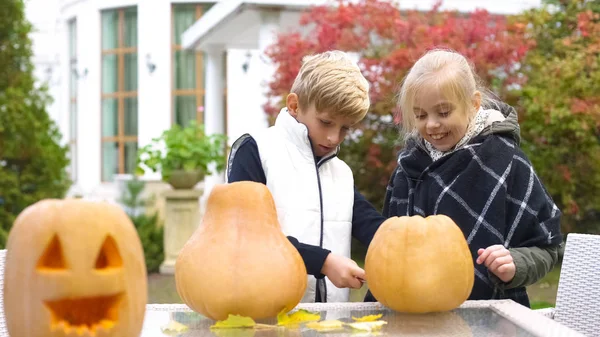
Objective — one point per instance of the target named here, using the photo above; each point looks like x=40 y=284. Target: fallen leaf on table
x=368 y=318
x=297 y=317
x=235 y=332
x=234 y=321
x=173 y=327
x=367 y=326
x=322 y=326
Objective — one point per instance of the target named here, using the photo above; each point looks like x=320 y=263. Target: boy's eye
x=325 y=122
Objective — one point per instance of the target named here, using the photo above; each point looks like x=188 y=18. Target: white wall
x=244 y=98
x=45 y=35
x=154 y=89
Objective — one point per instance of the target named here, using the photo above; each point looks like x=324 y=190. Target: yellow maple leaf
x=173 y=327
x=297 y=317
x=234 y=321
x=368 y=318
x=330 y=325
x=367 y=326
x=236 y=332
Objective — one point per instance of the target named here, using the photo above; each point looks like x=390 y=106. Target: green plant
x=187 y=149
x=559 y=108
x=32 y=161
x=149 y=231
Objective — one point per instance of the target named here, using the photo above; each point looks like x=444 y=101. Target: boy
x=317 y=206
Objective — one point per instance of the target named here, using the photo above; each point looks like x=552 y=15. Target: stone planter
x=185 y=180
x=182 y=217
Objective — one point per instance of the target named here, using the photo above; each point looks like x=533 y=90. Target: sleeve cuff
x=320 y=258
x=520 y=273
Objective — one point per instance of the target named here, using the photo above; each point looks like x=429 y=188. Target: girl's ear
x=292 y=104
x=476 y=100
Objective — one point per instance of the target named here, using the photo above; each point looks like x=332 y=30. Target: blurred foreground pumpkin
x=420 y=265
x=74 y=268
x=239 y=261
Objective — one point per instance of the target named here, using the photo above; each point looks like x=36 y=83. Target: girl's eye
x=446 y=112
x=420 y=117
x=325 y=122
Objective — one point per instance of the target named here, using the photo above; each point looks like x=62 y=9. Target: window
x=72 y=29
x=188 y=67
x=119 y=121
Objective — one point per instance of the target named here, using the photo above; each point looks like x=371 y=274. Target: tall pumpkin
x=74 y=268
x=239 y=261
x=420 y=265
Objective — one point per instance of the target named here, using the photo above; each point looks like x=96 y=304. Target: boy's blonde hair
x=452 y=74
x=333 y=83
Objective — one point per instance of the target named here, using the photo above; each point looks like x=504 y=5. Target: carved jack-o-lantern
x=74 y=268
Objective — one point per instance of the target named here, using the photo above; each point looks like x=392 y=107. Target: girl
x=462 y=159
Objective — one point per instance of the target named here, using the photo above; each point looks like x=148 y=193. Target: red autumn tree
x=387 y=41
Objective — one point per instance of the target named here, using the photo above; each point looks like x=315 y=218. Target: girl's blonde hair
x=452 y=74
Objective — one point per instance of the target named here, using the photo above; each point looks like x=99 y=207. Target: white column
x=214 y=112
x=267 y=35
x=213 y=101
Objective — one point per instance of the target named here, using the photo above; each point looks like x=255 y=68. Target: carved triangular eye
x=52 y=258
x=109 y=256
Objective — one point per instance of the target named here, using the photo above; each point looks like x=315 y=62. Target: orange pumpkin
x=419 y=265
x=74 y=268
x=239 y=261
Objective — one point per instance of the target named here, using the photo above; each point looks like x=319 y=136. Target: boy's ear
x=476 y=100
x=292 y=104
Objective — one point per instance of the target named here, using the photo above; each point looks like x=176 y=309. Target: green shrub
x=32 y=161
x=149 y=231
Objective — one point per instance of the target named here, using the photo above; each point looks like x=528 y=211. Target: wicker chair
x=578 y=296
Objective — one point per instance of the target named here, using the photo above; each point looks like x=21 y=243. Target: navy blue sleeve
x=365 y=219
x=245 y=165
x=313 y=256
x=244 y=162
x=388 y=195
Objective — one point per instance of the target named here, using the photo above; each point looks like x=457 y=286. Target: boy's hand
x=343 y=272
x=499 y=261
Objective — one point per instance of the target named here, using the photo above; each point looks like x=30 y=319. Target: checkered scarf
x=489 y=188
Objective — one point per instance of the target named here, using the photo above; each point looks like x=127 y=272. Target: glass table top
x=483 y=319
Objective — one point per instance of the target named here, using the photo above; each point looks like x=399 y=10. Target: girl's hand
x=499 y=261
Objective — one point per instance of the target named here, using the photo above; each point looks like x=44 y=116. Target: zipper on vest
x=317 y=166
x=321 y=286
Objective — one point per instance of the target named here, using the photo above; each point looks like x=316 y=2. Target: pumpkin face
x=74 y=268
x=419 y=265
x=239 y=261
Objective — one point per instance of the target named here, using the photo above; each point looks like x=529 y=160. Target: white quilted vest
x=289 y=165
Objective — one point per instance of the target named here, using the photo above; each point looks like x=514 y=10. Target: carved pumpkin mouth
x=84 y=315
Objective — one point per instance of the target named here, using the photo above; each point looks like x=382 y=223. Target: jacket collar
x=297 y=133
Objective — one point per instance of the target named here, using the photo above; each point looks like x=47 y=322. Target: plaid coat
x=489 y=188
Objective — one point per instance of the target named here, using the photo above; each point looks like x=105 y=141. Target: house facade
x=123 y=71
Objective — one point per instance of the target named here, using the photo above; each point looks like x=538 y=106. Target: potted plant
x=183 y=155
